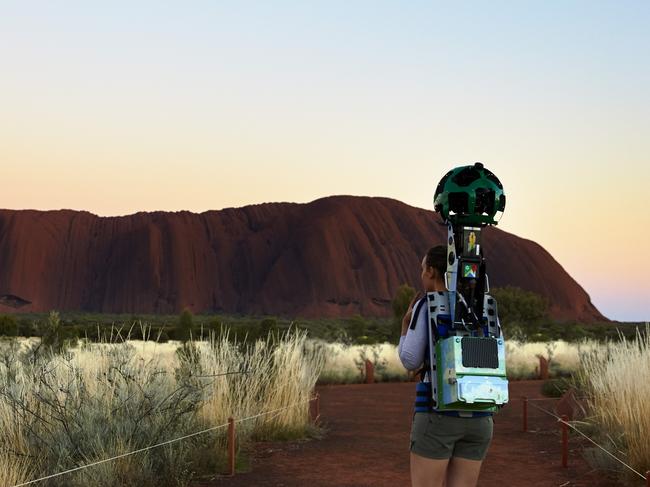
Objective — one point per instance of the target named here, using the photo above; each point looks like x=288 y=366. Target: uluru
x=333 y=257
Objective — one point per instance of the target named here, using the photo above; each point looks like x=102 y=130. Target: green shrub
x=267 y=326
x=53 y=337
x=357 y=326
x=184 y=326
x=523 y=314
x=26 y=327
x=8 y=326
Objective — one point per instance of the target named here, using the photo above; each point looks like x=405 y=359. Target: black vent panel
x=480 y=352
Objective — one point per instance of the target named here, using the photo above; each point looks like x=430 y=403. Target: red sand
x=368 y=438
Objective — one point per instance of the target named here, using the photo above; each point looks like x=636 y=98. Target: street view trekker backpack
x=465 y=356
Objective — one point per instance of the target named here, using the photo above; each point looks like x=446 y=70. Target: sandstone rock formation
x=335 y=256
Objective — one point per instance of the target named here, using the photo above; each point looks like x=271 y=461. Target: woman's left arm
x=406 y=321
x=413 y=341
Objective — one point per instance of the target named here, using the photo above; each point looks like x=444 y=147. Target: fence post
x=525 y=403
x=314 y=412
x=647 y=478
x=565 y=441
x=312 y=401
x=231 y=446
x=370 y=372
x=543 y=368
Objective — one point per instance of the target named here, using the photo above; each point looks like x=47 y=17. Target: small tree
x=8 y=326
x=515 y=304
x=520 y=312
x=184 y=326
x=52 y=339
x=267 y=326
x=357 y=327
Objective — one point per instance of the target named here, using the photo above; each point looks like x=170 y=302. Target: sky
x=119 y=107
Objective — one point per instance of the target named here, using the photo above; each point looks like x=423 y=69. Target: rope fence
x=565 y=425
x=231 y=441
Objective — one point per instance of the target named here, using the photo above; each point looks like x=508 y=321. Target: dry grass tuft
x=617 y=382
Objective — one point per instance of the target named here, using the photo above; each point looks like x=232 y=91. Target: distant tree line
x=523 y=315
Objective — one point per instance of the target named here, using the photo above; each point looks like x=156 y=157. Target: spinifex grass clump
x=270 y=374
x=617 y=383
x=62 y=410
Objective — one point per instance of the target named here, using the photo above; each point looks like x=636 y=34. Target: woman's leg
x=463 y=472
x=469 y=452
x=427 y=472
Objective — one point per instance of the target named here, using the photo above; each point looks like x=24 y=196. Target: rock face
x=335 y=256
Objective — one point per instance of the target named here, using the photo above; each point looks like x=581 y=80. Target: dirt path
x=368 y=438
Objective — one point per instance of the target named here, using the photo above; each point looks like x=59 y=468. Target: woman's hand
x=409 y=312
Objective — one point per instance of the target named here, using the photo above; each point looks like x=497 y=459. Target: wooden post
x=231 y=446
x=647 y=478
x=543 y=368
x=525 y=403
x=314 y=409
x=312 y=415
x=565 y=441
x=370 y=372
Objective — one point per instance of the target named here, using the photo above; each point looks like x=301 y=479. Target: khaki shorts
x=440 y=436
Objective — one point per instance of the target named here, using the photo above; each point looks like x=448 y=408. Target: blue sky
x=118 y=107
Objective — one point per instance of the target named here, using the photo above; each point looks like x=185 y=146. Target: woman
x=447 y=448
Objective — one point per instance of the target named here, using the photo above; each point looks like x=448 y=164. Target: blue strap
x=414 y=319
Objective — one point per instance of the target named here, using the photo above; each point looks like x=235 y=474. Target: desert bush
x=357 y=327
x=8 y=326
x=518 y=305
x=97 y=400
x=184 y=326
x=53 y=337
x=268 y=325
x=80 y=407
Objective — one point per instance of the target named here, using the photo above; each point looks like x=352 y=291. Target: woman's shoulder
x=418 y=306
x=420 y=302
x=433 y=295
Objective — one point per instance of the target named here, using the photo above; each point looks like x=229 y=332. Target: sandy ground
x=367 y=442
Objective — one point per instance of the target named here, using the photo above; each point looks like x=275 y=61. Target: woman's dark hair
x=437 y=258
